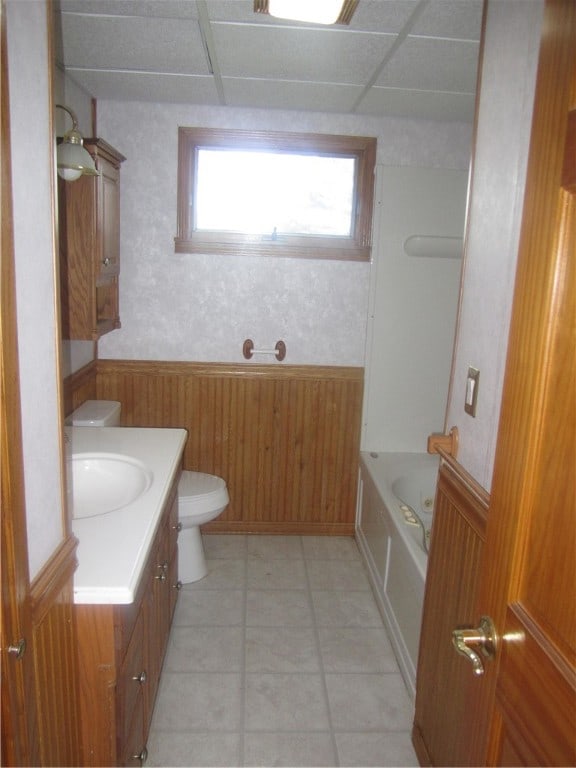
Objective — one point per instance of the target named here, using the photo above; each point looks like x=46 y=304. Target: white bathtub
x=392 y=487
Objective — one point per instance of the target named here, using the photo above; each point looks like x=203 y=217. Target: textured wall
x=505 y=116
x=35 y=289
x=201 y=308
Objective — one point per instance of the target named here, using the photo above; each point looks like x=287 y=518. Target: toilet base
x=191 y=560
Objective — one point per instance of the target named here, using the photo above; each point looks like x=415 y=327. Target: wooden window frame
x=355 y=248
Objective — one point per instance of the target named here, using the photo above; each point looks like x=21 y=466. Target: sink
x=99 y=483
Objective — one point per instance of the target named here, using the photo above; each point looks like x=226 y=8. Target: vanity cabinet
x=121 y=651
x=89 y=235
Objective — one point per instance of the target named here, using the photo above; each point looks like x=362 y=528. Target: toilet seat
x=199 y=493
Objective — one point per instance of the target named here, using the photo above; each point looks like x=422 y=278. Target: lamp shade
x=73 y=161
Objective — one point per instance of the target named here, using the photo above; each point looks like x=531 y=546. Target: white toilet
x=201 y=497
x=96 y=413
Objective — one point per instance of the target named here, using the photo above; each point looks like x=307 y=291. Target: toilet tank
x=96 y=413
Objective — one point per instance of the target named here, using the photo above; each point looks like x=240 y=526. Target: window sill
x=258 y=247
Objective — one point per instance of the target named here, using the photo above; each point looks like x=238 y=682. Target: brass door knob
x=474 y=644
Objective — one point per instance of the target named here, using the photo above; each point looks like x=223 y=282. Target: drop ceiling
x=404 y=58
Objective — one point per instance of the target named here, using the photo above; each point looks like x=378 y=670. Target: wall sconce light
x=73 y=160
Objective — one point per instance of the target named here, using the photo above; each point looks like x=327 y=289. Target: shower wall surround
x=185 y=307
x=413 y=307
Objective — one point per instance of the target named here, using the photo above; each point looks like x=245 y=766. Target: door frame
x=19 y=741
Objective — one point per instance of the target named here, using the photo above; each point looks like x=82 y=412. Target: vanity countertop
x=113 y=547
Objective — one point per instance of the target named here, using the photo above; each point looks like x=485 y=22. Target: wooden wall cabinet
x=121 y=651
x=89 y=234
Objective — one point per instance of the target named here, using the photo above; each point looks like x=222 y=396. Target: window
x=275 y=194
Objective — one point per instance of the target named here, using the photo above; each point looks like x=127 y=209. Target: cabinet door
x=172 y=536
x=108 y=257
x=131 y=685
x=89 y=233
x=133 y=751
x=157 y=619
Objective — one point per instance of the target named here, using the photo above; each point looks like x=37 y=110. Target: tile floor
x=279 y=657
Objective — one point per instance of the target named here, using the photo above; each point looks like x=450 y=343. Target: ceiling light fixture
x=312 y=11
x=73 y=160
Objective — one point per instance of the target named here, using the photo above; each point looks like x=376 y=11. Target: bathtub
x=393 y=522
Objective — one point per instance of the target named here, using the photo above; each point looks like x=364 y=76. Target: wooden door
x=528 y=694
x=517 y=563
x=19 y=744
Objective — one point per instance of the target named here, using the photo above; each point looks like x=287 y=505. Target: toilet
x=201 y=497
x=96 y=413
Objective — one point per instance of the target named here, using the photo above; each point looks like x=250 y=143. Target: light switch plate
x=471 y=397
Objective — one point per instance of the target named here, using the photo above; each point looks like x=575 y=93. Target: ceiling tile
x=431 y=64
x=128 y=42
x=422 y=105
x=184 y=9
x=141 y=86
x=152 y=50
x=298 y=54
x=461 y=19
x=371 y=15
x=286 y=94
x=378 y=16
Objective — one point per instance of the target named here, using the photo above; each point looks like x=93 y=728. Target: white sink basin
x=99 y=483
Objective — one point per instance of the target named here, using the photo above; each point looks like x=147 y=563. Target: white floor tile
x=339 y=575
x=204 y=649
x=330 y=548
x=276 y=574
x=281 y=649
x=278 y=608
x=375 y=749
x=369 y=703
x=345 y=609
x=222 y=574
x=357 y=649
x=279 y=657
x=289 y=749
x=275 y=547
x=209 y=608
x=285 y=703
x=224 y=546
x=198 y=702
x=181 y=748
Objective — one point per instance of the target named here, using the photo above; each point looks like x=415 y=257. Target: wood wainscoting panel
x=441 y=722
x=79 y=387
x=285 y=438
x=55 y=659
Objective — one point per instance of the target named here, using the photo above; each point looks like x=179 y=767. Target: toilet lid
x=203 y=491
